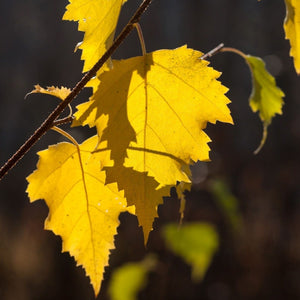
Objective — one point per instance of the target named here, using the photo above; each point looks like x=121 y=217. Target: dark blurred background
x=262 y=261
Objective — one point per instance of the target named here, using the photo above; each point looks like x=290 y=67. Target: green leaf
x=129 y=279
x=266 y=97
x=195 y=243
x=227 y=203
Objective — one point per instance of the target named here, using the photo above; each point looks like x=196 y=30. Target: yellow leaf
x=82 y=209
x=158 y=106
x=60 y=93
x=140 y=190
x=98 y=20
x=292 y=30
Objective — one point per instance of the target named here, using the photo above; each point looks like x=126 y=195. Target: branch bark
x=48 y=123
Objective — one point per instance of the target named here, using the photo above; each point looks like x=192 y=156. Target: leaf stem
x=233 y=50
x=263 y=139
x=141 y=37
x=48 y=123
x=65 y=134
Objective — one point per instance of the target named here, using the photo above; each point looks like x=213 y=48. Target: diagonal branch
x=48 y=123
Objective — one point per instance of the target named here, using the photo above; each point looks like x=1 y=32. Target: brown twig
x=48 y=123
x=63 y=121
x=213 y=51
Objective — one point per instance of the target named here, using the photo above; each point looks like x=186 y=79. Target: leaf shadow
x=140 y=190
x=110 y=99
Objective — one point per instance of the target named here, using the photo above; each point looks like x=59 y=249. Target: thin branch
x=63 y=121
x=48 y=123
x=213 y=51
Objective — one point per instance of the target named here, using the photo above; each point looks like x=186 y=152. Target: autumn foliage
x=150 y=113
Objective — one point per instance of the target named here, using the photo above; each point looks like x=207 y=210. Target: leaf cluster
x=150 y=113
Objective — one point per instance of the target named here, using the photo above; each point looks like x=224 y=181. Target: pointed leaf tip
x=158 y=106
x=98 y=20
x=83 y=210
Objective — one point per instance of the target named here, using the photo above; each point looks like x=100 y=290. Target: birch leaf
x=127 y=281
x=141 y=191
x=292 y=30
x=266 y=97
x=158 y=106
x=195 y=243
x=57 y=92
x=130 y=278
x=82 y=209
x=98 y=20
x=227 y=202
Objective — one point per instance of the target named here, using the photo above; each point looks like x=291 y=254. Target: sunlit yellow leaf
x=266 y=97
x=82 y=209
x=292 y=30
x=98 y=20
x=195 y=243
x=60 y=93
x=158 y=106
